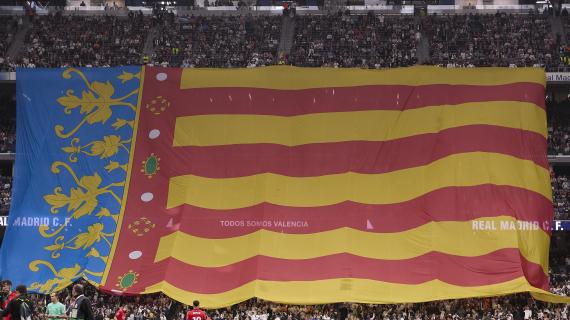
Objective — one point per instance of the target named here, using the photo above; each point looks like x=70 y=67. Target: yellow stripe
x=450 y=237
x=373 y=125
x=550 y=297
x=291 y=78
x=463 y=169
x=340 y=290
x=127 y=181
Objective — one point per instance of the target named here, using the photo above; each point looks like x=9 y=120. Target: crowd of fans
x=226 y=41
x=558 y=125
x=511 y=307
x=335 y=40
x=7 y=142
x=7 y=120
x=345 y=40
x=561 y=196
x=5 y=194
x=7 y=136
x=62 y=40
x=8 y=28
x=559 y=138
x=218 y=3
x=500 y=40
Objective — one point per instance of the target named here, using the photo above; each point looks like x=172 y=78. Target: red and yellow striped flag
x=326 y=185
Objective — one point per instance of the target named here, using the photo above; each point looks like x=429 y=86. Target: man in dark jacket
x=81 y=308
x=8 y=295
x=14 y=307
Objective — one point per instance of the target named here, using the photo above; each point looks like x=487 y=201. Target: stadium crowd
x=7 y=137
x=59 y=41
x=334 y=40
x=5 y=193
x=500 y=40
x=7 y=122
x=8 y=29
x=559 y=138
x=561 y=196
x=230 y=41
x=345 y=40
x=339 y=40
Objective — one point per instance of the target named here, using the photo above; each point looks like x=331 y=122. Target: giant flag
x=288 y=184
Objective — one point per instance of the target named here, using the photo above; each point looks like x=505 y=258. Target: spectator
x=55 y=309
x=120 y=315
x=81 y=307
x=7 y=295
x=21 y=307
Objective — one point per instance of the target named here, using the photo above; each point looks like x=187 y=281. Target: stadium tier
x=369 y=40
x=284 y=166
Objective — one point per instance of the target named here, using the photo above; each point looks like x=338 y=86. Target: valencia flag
x=325 y=185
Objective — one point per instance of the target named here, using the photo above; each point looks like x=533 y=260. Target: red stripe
x=447 y=204
x=355 y=156
x=496 y=267
x=535 y=274
x=382 y=97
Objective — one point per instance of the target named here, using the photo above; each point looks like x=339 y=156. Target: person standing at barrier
x=121 y=313
x=55 y=309
x=7 y=295
x=81 y=309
